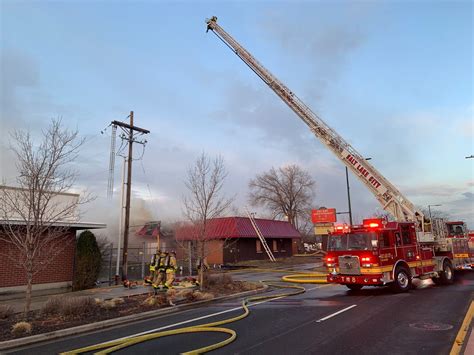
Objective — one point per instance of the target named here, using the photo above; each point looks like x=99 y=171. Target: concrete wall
x=57 y=205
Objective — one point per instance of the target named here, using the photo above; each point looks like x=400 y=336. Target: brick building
x=58 y=273
x=233 y=239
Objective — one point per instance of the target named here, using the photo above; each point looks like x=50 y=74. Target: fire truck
x=377 y=252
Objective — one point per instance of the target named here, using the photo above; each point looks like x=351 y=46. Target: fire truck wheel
x=354 y=287
x=402 y=280
x=446 y=277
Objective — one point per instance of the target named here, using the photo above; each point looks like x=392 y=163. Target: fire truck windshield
x=355 y=241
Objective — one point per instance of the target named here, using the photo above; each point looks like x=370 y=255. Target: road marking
x=335 y=314
x=206 y=316
x=459 y=341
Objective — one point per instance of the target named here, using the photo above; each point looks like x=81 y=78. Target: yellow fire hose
x=309 y=278
x=301 y=278
x=115 y=345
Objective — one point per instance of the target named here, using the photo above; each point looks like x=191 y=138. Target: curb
x=10 y=344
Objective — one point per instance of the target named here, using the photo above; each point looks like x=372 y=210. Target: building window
x=258 y=246
x=282 y=246
x=275 y=246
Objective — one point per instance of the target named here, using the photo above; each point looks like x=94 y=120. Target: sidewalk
x=39 y=298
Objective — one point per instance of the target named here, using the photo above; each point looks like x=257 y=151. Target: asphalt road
x=373 y=321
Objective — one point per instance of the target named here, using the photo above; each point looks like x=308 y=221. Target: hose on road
x=115 y=345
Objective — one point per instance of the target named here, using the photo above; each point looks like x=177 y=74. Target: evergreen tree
x=88 y=261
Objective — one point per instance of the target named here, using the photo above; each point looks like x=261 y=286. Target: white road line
x=204 y=317
x=335 y=314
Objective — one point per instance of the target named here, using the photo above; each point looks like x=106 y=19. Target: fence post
x=143 y=260
x=110 y=263
x=190 y=259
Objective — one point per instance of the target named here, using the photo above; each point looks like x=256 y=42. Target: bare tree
x=384 y=215
x=205 y=181
x=37 y=212
x=288 y=192
x=435 y=213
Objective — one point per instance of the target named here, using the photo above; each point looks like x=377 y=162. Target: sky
x=394 y=78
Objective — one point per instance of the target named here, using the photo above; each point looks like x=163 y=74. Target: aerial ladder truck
x=378 y=252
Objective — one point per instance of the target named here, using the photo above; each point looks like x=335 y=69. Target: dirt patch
x=74 y=311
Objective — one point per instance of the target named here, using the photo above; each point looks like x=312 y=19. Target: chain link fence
x=139 y=258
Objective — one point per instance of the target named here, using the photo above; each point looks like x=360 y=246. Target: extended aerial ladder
x=389 y=197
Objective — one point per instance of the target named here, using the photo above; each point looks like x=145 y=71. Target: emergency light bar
x=373 y=223
x=342 y=228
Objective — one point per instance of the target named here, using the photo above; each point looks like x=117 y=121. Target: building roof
x=150 y=229
x=239 y=227
x=72 y=225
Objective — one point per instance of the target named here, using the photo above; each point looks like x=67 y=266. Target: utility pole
x=348 y=197
x=119 y=243
x=129 y=131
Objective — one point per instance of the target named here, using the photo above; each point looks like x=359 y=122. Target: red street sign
x=327 y=215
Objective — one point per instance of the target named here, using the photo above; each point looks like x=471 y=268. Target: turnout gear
x=149 y=279
x=160 y=269
x=152 y=263
x=171 y=267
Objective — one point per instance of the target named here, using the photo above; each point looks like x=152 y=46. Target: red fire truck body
x=379 y=253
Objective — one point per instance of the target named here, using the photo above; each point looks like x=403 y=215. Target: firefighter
x=171 y=267
x=159 y=279
x=201 y=264
x=149 y=279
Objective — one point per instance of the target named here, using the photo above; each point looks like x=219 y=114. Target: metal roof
x=150 y=229
x=238 y=227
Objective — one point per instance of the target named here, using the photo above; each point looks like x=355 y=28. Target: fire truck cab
x=379 y=253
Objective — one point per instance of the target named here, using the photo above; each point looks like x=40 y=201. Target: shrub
x=186 y=294
x=6 y=311
x=88 y=261
x=172 y=293
x=99 y=301
x=201 y=296
x=118 y=300
x=21 y=328
x=109 y=304
x=226 y=279
x=52 y=306
x=249 y=286
x=77 y=306
x=219 y=281
x=155 y=300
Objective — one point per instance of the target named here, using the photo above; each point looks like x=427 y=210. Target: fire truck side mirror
x=375 y=243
